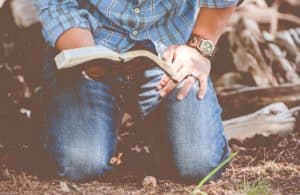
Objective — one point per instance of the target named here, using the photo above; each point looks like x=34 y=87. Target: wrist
x=204 y=46
x=207 y=36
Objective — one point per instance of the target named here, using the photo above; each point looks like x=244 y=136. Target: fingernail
x=200 y=97
x=179 y=97
x=159 y=87
x=163 y=94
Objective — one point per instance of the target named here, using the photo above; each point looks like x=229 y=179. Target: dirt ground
x=264 y=165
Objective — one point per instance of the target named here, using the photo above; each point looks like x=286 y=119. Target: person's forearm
x=211 y=22
x=75 y=38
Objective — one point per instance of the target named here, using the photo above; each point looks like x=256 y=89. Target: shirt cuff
x=218 y=3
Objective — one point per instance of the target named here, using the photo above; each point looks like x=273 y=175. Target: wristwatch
x=204 y=46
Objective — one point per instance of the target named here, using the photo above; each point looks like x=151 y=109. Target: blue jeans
x=82 y=118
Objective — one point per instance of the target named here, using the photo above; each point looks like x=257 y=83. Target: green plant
x=197 y=189
x=256 y=188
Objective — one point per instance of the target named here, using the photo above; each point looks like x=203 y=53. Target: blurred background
x=256 y=74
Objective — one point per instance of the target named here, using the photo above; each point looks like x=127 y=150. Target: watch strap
x=195 y=41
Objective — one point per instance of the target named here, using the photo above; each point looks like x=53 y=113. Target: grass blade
x=212 y=173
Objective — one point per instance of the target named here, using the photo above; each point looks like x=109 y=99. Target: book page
x=164 y=65
x=73 y=57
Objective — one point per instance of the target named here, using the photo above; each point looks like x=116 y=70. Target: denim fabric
x=82 y=118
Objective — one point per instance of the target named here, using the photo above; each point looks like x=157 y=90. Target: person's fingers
x=179 y=76
x=169 y=56
x=176 y=66
x=202 y=87
x=164 y=80
x=188 y=83
x=167 y=88
x=181 y=73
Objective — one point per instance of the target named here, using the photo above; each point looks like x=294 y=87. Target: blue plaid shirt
x=118 y=24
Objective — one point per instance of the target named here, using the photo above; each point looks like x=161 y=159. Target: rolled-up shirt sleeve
x=57 y=16
x=218 y=3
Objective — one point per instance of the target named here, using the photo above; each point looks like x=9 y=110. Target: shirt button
x=134 y=33
x=137 y=10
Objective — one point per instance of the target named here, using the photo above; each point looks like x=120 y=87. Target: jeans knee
x=81 y=167
x=195 y=166
x=194 y=170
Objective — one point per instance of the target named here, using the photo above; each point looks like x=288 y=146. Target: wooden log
x=284 y=52
x=283 y=65
x=286 y=36
x=247 y=100
x=24 y=13
x=270 y=120
x=2 y=3
x=229 y=80
x=292 y=53
x=262 y=14
x=295 y=3
x=245 y=42
x=274 y=20
x=296 y=35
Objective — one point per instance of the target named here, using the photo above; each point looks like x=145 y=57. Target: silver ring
x=194 y=77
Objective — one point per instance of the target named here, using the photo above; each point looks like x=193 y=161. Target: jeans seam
x=140 y=110
x=139 y=107
x=218 y=126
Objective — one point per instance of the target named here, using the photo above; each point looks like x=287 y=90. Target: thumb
x=169 y=54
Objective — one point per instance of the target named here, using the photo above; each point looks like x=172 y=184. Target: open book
x=73 y=57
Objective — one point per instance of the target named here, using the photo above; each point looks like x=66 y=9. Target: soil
x=273 y=162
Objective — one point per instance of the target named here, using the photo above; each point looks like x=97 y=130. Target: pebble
x=149 y=181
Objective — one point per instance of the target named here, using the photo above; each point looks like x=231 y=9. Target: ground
x=264 y=165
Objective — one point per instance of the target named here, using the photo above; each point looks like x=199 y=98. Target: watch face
x=207 y=47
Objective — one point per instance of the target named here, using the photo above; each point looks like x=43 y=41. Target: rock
x=149 y=181
x=24 y=13
x=64 y=187
x=116 y=160
x=2 y=2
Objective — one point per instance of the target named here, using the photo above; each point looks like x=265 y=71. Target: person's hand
x=189 y=65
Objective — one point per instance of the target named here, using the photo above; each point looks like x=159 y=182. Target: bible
x=75 y=57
